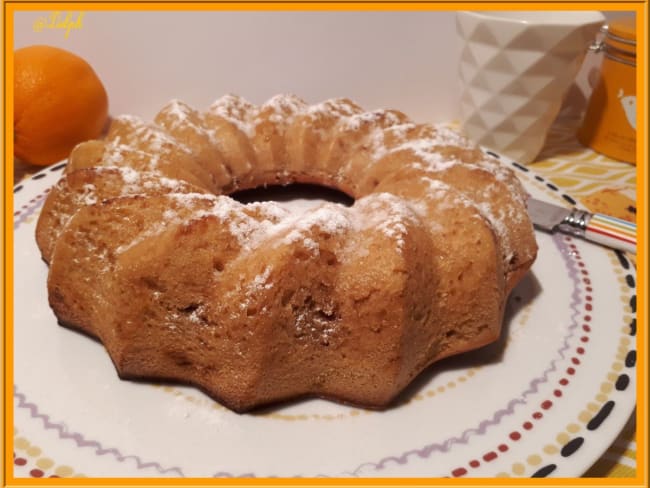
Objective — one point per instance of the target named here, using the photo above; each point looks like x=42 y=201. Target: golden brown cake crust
x=254 y=304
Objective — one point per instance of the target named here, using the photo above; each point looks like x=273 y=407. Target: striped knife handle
x=611 y=232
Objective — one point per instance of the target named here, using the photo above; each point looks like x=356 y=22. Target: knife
x=602 y=229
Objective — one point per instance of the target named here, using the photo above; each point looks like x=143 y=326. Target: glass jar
x=609 y=125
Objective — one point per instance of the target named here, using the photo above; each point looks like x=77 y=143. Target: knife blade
x=595 y=227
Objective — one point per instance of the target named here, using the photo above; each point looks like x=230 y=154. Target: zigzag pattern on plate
x=79 y=439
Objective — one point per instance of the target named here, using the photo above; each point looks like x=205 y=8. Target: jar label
x=628 y=102
x=609 y=125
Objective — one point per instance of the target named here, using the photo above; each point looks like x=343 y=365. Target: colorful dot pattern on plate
x=568 y=441
x=30 y=458
x=544 y=430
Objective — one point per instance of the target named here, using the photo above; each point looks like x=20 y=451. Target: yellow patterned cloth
x=598 y=182
x=605 y=186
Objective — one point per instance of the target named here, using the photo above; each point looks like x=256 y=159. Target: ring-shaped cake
x=255 y=304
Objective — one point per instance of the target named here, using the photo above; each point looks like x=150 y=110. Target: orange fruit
x=59 y=101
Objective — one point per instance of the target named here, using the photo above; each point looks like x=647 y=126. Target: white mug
x=515 y=70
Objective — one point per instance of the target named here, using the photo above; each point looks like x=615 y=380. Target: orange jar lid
x=624 y=28
x=620 y=39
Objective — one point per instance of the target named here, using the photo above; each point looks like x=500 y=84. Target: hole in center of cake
x=296 y=196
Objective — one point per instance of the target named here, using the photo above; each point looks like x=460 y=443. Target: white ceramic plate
x=546 y=400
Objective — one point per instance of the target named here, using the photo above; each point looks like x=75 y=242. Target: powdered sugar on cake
x=140 y=151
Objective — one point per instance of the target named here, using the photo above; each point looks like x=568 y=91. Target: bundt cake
x=256 y=304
